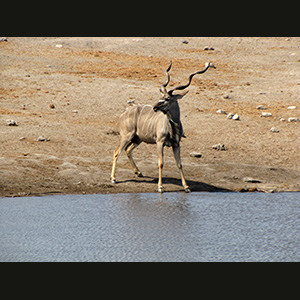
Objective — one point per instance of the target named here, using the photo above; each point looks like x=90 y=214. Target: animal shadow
x=195 y=186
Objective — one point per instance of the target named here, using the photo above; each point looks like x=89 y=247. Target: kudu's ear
x=181 y=95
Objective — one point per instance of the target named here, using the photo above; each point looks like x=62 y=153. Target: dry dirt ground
x=73 y=95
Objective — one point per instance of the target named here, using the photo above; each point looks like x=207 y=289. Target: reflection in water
x=151 y=227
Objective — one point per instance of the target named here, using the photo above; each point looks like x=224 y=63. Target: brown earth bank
x=71 y=91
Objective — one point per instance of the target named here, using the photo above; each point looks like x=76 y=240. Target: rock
x=195 y=154
x=75 y=111
x=230 y=115
x=3 y=39
x=251 y=180
x=248 y=190
x=43 y=139
x=291 y=107
x=236 y=117
x=52 y=106
x=185 y=42
x=219 y=147
x=206 y=48
x=10 y=122
x=22 y=138
x=226 y=97
x=261 y=107
x=221 y=111
x=293 y=119
x=112 y=132
x=130 y=102
x=274 y=129
x=282 y=120
x=266 y=114
x=271 y=191
x=59 y=46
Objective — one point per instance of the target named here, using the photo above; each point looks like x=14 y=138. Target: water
x=151 y=227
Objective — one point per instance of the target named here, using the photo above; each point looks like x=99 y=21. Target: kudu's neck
x=174 y=112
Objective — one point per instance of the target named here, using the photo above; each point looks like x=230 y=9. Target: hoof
x=187 y=190
x=160 y=189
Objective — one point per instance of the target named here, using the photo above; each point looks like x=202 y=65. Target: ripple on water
x=151 y=227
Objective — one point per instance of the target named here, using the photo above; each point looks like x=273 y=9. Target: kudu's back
x=143 y=123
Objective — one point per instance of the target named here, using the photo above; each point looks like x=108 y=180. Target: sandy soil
x=74 y=94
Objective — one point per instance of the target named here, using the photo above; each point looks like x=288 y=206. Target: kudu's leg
x=129 y=150
x=176 y=151
x=160 y=153
x=123 y=143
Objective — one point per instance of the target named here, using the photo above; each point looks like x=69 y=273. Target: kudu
x=158 y=124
